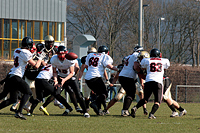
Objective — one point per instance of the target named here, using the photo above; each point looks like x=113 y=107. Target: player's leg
x=158 y=92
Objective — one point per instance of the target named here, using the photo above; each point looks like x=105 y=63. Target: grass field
x=76 y=123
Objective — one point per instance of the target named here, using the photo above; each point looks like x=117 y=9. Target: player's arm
x=80 y=74
x=115 y=78
x=76 y=68
x=71 y=70
x=112 y=67
x=55 y=74
x=35 y=64
x=137 y=67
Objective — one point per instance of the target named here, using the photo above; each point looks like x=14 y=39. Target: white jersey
x=155 y=68
x=127 y=70
x=96 y=64
x=62 y=66
x=21 y=58
x=46 y=72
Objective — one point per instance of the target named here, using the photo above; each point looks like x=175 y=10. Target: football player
x=31 y=73
x=128 y=78
x=14 y=82
x=155 y=67
x=45 y=88
x=172 y=104
x=96 y=64
x=87 y=91
x=65 y=79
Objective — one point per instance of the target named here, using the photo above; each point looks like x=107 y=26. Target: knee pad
x=120 y=94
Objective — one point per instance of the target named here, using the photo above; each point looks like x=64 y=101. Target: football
x=71 y=56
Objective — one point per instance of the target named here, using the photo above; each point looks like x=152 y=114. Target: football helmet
x=91 y=50
x=155 y=53
x=49 y=42
x=27 y=42
x=138 y=48
x=124 y=59
x=61 y=52
x=103 y=49
x=40 y=47
x=143 y=54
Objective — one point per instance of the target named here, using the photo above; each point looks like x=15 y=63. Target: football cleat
x=44 y=110
x=94 y=107
x=133 y=110
x=101 y=112
x=29 y=114
x=79 y=109
x=86 y=115
x=174 y=114
x=67 y=111
x=20 y=115
x=151 y=116
x=125 y=113
x=13 y=110
x=27 y=108
x=184 y=112
x=145 y=111
x=106 y=112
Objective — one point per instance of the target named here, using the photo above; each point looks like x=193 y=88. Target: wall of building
x=41 y=10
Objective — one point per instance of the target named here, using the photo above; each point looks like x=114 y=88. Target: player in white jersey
x=128 y=78
x=96 y=64
x=65 y=78
x=87 y=90
x=45 y=88
x=155 y=67
x=14 y=81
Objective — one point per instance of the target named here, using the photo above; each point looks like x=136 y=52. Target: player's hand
x=41 y=55
x=111 y=85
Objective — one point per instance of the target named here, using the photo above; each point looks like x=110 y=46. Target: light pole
x=143 y=23
x=159 y=32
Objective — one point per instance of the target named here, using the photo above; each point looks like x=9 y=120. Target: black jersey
x=32 y=72
x=120 y=67
x=83 y=59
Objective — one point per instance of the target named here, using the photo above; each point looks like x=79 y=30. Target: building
x=34 y=18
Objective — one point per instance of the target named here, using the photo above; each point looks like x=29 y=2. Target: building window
x=6 y=28
x=21 y=29
x=6 y=49
x=1 y=29
x=13 y=47
x=14 y=29
x=45 y=28
x=37 y=31
x=51 y=28
x=59 y=31
x=29 y=31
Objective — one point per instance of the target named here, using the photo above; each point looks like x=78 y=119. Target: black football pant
x=12 y=85
x=97 y=86
x=44 y=88
x=129 y=86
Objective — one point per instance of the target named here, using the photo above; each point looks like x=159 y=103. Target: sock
x=154 y=108
x=172 y=108
x=140 y=103
x=127 y=102
x=49 y=100
x=180 y=109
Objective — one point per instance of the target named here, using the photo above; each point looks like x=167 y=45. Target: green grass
x=76 y=123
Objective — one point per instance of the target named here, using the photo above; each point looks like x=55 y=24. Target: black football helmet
x=61 y=52
x=102 y=49
x=27 y=42
x=138 y=48
x=124 y=59
x=49 y=42
x=155 y=53
x=40 y=47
